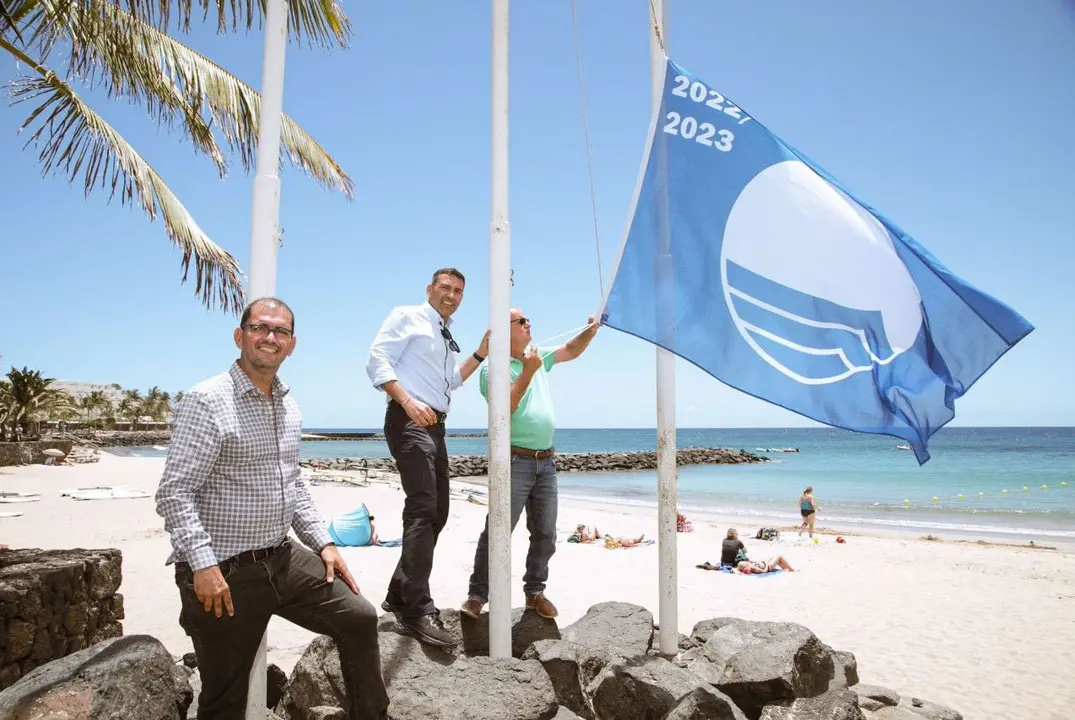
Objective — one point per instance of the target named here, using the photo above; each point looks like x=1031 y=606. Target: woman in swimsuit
x=809 y=511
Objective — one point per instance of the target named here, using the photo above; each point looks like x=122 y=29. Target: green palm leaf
x=75 y=140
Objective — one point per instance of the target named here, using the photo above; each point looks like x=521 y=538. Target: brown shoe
x=472 y=607
x=541 y=604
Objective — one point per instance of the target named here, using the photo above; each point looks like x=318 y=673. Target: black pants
x=422 y=460
x=290 y=583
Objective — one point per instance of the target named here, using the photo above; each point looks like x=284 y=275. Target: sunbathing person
x=760 y=567
x=613 y=542
x=582 y=535
x=683 y=524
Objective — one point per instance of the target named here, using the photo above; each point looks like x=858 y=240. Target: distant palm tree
x=29 y=399
x=126 y=50
x=131 y=406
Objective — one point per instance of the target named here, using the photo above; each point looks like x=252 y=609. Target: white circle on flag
x=793 y=229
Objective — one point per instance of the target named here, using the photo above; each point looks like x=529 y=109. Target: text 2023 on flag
x=751 y=262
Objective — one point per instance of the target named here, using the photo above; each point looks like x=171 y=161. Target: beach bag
x=351 y=529
x=767 y=533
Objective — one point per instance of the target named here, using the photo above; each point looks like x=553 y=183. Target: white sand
x=988 y=630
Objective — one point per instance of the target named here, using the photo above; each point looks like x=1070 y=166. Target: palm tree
x=132 y=406
x=30 y=399
x=127 y=51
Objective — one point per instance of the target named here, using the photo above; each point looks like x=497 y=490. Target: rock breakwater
x=476 y=465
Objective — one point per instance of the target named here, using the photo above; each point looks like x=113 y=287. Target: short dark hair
x=448 y=271
x=271 y=302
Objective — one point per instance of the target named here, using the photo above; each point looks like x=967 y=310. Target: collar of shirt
x=435 y=316
x=244 y=385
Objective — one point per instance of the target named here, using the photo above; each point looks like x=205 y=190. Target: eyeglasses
x=260 y=330
x=447 y=335
x=522 y=321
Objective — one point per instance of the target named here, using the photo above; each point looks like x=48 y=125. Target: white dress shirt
x=410 y=349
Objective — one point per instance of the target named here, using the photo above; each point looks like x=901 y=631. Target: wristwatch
x=478 y=357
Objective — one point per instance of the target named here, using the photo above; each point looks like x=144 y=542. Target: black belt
x=250 y=557
x=537 y=454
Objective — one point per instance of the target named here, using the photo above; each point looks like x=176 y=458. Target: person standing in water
x=809 y=510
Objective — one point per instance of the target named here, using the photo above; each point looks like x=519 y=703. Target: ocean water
x=859 y=480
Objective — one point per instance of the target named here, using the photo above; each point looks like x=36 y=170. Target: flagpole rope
x=656 y=26
x=589 y=153
x=565 y=334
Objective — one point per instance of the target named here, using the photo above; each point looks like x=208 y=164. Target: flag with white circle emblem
x=748 y=260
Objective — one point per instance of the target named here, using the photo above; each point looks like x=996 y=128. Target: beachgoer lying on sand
x=582 y=535
x=612 y=543
x=683 y=524
x=758 y=567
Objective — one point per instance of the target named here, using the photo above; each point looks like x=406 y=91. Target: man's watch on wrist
x=478 y=357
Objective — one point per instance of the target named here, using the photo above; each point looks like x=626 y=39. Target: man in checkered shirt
x=229 y=494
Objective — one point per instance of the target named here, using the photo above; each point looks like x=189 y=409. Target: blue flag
x=748 y=260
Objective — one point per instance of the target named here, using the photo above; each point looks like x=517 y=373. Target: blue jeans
x=533 y=486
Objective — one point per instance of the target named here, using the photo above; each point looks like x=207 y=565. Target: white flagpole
x=264 y=234
x=668 y=613
x=499 y=353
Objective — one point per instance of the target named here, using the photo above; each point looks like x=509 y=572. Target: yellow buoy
x=1026 y=489
x=959 y=497
x=981 y=494
x=1005 y=491
x=1063 y=483
x=936 y=499
x=906 y=501
x=1044 y=487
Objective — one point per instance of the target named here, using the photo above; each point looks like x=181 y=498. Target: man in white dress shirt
x=413 y=360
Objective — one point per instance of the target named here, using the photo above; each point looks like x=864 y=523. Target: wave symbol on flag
x=813 y=281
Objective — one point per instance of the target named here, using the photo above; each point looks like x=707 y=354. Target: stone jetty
x=476 y=465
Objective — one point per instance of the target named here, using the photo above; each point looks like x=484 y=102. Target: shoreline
x=728 y=517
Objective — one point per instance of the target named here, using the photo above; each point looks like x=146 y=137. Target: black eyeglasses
x=447 y=335
x=259 y=330
x=522 y=321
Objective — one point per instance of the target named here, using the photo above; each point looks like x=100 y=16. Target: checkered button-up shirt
x=231 y=481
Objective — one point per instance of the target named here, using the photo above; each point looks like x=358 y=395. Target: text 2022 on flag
x=748 y=260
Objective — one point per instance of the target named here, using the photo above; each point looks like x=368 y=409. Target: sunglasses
x=447 y=335
x=522 y=321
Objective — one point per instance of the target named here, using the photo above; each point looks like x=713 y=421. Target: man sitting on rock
x=230 y=492
x=533 y=463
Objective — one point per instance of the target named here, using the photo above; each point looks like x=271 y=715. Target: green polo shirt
x=533 y=422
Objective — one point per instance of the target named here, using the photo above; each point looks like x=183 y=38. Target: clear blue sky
x=954 y=118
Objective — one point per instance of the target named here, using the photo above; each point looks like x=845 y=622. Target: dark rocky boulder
x=760 y=663
x=125 y=677
x=840 y=704
x=620 y=628
x=704 y=703
x=640 y=688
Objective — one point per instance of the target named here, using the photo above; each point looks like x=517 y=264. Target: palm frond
x=76 y=140
x=319 y=22
x=131 y=58
x=7 y=20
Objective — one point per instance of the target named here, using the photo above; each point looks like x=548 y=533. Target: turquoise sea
x=859 y=480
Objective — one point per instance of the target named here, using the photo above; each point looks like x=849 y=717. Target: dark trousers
x=289 y=583
x=422 y=461
x=533 y=486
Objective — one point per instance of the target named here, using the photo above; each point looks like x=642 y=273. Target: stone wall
x=54 y=603
x=123 y=438
x=30 y=452
x=476 y=465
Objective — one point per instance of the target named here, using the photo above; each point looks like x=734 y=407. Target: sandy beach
x=988 y=629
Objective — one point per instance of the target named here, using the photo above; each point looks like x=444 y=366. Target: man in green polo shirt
x=533 y=463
